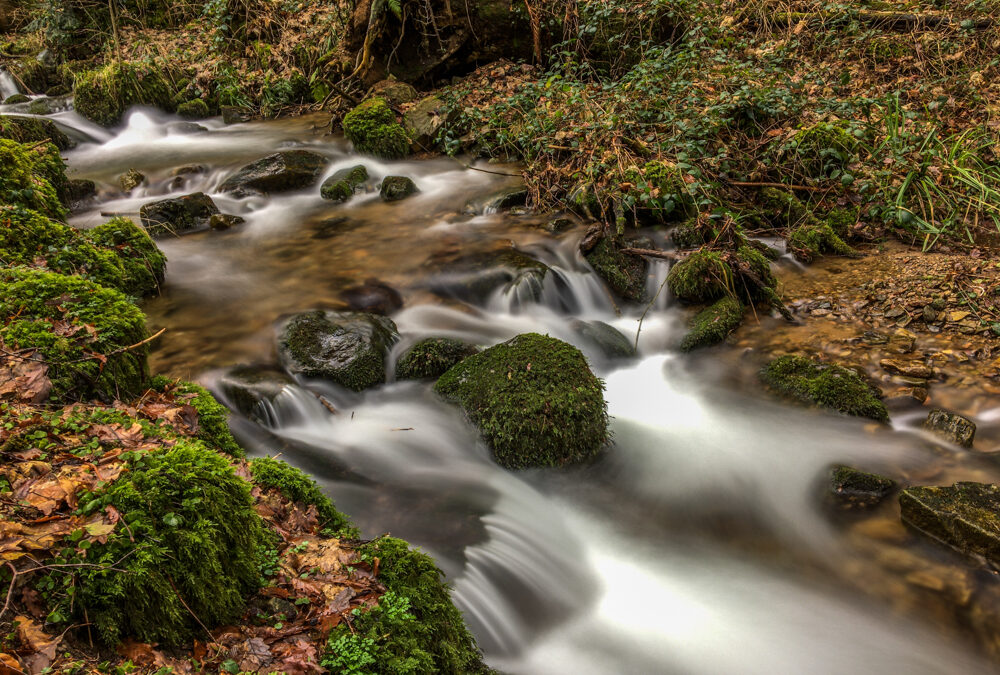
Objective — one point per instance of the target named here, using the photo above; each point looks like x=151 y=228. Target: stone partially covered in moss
x=33 y=130
x=31 y=177
x=431 y=358
x=951 y=427
x=826 y=386
x=348 y=348
x=625 y=274
x=713 y=324
x=195 y=109
x=103 y=95
x=278 y=172
x=343 y=184
x=189 y=545
x=965 y=516
x=534 y=399
x=86 y=333
x=395 y=188
x=822 y=148
x=851 y=489
x=474 y=277
x=809 y=237
x=252 y=389
x=373 y=129
x=178 y=215
x=143 y=264
x=14 y=99
x=213 y=419
x=414 y=628
x=701 y=277
x=295 y=485
x=688 y=235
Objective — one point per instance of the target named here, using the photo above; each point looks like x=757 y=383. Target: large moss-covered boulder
x=285 y=170
x=33 y=130
x=713 y=324
x=414 y=628
x=87 y=334
x=625 y=274
x=534 y=399
x=348 y=348
x=965 y=516
x=103 y=95
x=824 y=385
x=178 y=215
x=344 y=184
x=431 y=358
x=32 y=177
x=701 y=277
x=185 y=553
x=373 y=129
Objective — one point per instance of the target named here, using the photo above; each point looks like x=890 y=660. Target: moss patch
x=33 y=130
x=195 y=109
x=826 y=386
x=103 y=95
x=213 y=419
x=821 y=149
x=31 y=177
x=299 y=487
x=143 y=263
x=809 y=237
x=414 y=629
x=534 y=399
x=373 y=129
x=664 y=196
x=963 y=516
x=701 y=277
x=713 y=324
x=813 y=240
x=431 y=358
x=625 y=274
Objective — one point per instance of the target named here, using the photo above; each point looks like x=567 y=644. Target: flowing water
x=695 y=544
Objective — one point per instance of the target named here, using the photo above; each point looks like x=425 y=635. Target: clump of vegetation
x=143 y=262
x=295 y=485
x=414 y=629
x=662 y=194
x=808 y=237
x=373 y=129
x=713 y=324
x=625 y=274
x=195 y=109
x=213 y=419
x=33 y=130
x=701 y=277
x=30 y=177
x=815 y=239
x=827 y=386
x=822 y=150
x=431 y=358
x=103 y=95
x=534 y=399
x=189 y=546
x=88 y=335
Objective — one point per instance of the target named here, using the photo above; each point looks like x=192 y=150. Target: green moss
x=75 y=324
x=33 y=130
x=809 y=237
x=143 y=263
x=190 y=542
x=841 y=220
x=963 y=516
x=534 y=399
x=826 y=386
x=342 y=185
x=295 y=485
x=195 y=109
x=14 y=99
x=759 y=270
x=625 y=274
x=823 y=148
x=28 y=175
x=373 y=129
x=687 y=235
x=713 y=324
x=431 y=358
x=811 y=241
x=414 y=629
x=701 y=277
x=213 y=419
x=103 y=95
x=664 y=194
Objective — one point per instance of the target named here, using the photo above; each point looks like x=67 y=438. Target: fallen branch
x=780 y=186
x=654 y=253
x=886 y=19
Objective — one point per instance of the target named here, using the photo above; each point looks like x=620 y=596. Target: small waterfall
x=8 y=85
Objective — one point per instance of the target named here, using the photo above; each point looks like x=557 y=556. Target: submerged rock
x=951 y=427
x=178 y=215
x=608 y=339
x=286 y=170
x=247 y=388
x=534 y=399
x=372 y=296
x=343 y=185
x=395 y=188
x=851 y=489
x=475 y=277
x=348 y=348
x=965 y=516
x=432 y=358
x=826 y=386
x=498 y=201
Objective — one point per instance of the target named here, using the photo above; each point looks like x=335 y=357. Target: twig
x=780 y=186
x=654 y=253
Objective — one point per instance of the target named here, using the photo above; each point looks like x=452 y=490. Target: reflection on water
x=695 y=544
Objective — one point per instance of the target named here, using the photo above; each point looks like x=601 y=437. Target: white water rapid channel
x=694 y=544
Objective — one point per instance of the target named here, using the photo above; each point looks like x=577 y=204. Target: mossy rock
x=609 y=340
x=79 y=189
x=373 y=129
x=395 y=188
x=851 y=489
x=344 y=184
x=189 y=545
x=965 y=516
x=14 y=99
x=245 y=388
x=348 y=348
x=809 y=237
x=701 y=277
x=713 y=324
x=103 y=95
x=951 y=427
x=811 y=241
x=178 y=215
x=33 y=130
x=823 y=148
x=213 y=419
x=475 y=277
x=143 y=264
x=414 y=628
x=278 y=172
x=195 y=109
x=753 y=270
x=688 y=235
x=297 y=486
x=85 y=333
x=32 y=177
x=827 y=386
x=841 y=220
x=534 y=399
x=625 y=274
x=431 y=358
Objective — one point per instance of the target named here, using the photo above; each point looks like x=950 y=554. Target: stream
x=695 y=544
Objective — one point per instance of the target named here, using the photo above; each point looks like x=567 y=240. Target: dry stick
x=635 y=345
x=654 y=253
x=780 y=186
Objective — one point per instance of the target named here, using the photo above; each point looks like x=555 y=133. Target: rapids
x=695 y=544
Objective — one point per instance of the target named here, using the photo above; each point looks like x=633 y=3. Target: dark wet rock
x=58 y=90
x=914 y=369
x=372 y=296
x=188 y=169
x=424 y=120
x=559 y=225
x=431 y=358
x=331 y=227
x=14 y=99
x=498 y=201
x=235 y=115
x=476 y=276
x=394 y=91
x=851 y=489
x=344 y=184
x=965 y=516
x=286 y=170
x=951 y=427
x=79 y=189
x=395 y=188
x=824 y=385
x=224 y=221
x=195 y=109
x=608 y=339
x=249 y=389
x=178 y=215
x=186 y=128
x=348 y=348
x=47 y=105
x=130 y=180
x=625 y=274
